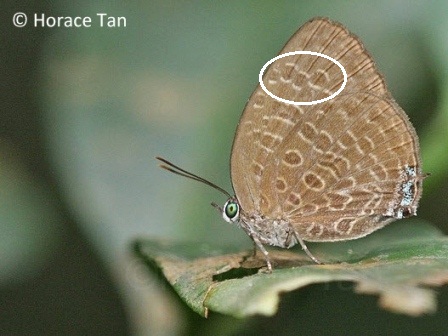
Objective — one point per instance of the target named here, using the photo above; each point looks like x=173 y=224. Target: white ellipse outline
x=303 y=52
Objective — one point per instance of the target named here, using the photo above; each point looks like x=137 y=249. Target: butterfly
x=333 y=171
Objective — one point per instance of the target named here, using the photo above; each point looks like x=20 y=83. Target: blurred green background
x=85 y=110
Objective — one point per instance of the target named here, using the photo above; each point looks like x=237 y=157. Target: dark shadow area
x=235 y=273
x=73 y=295
x=334 y=309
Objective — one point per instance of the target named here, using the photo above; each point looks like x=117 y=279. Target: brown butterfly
x=328 y=172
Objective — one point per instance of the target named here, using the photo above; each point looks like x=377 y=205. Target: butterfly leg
x=254 y=252
x=260 y=246
x=305 y=248
x=257 y=243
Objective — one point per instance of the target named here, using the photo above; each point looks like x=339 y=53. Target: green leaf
x=398 y=263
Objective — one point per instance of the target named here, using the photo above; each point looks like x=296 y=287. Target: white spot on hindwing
x=403 y=206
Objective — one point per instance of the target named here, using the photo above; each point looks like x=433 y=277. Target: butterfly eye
x=231 y=211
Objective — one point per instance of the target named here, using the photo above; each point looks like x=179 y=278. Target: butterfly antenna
x=171 y=167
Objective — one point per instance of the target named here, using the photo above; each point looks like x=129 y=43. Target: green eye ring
x=231 y=211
